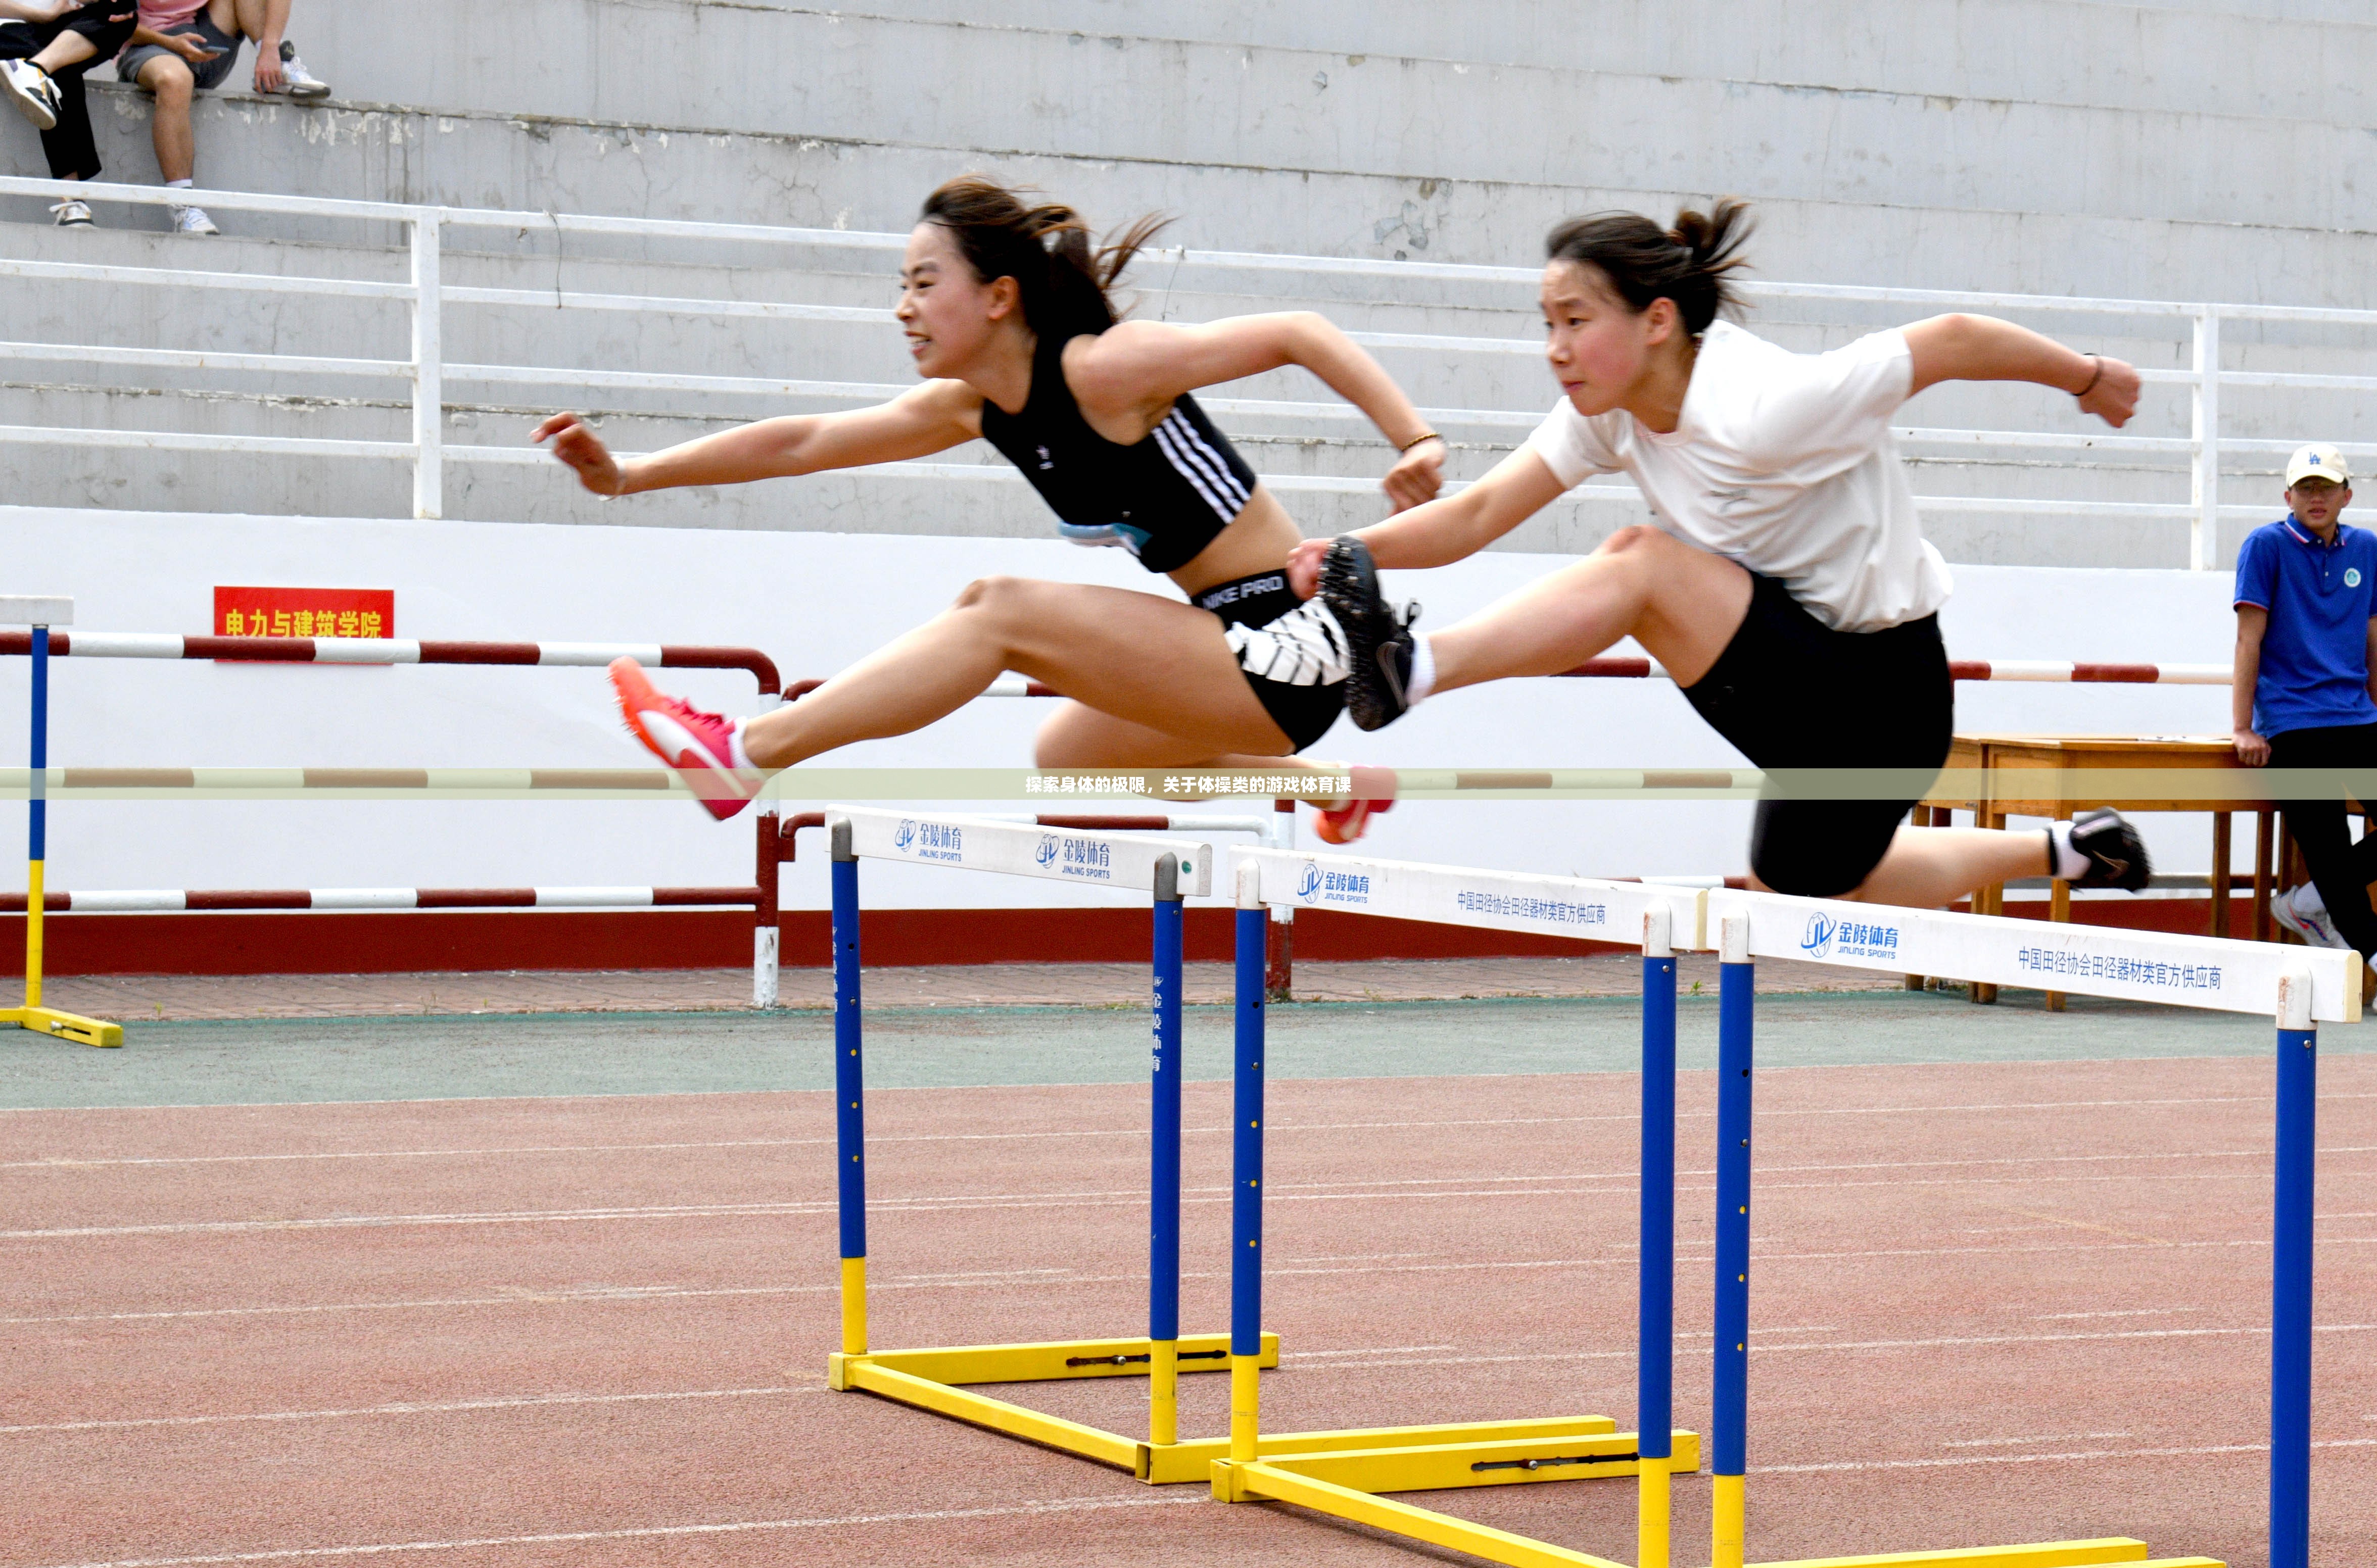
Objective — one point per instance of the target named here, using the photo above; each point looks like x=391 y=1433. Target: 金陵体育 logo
x=1046 y=854
x=903 y=838
x=1819 y=940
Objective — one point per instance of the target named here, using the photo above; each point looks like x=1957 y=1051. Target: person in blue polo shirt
x=2306 y=593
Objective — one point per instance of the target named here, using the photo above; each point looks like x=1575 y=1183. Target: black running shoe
x=2117 y=857
x=1377 y=634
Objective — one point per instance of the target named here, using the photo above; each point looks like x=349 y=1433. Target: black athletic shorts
x=1292 y=651
x=1792 y=692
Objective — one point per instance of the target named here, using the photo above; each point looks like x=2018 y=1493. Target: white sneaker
x=33 y=91
x=193 y=220
x=2301 y=910
x=73 y=214
x=302 y=83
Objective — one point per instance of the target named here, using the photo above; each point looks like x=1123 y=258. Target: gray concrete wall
x=2049 y=145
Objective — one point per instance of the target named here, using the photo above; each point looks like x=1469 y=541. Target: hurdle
x=930 y=1379
x=41 y=613
x=2300 y=987
x=1344 y=1482
x=1168 y=869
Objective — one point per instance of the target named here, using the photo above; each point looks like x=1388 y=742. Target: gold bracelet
x=1432 y=435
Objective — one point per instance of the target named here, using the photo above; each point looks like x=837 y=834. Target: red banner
x=304 y=613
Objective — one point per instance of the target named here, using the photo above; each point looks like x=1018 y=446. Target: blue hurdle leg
x=849 y=1085
x=2290 y=1302
x=1736 y=1000
x=1246 y=1188
x=1164 y=1186
x=1655 y=1351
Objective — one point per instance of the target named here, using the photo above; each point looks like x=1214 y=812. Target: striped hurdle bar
x=41 y=612
x=2050 y=671
x=396 y=651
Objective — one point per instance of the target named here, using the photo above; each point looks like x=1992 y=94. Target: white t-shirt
x=1781 y=462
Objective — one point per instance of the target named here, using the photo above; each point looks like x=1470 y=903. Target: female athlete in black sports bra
x=1007 y=315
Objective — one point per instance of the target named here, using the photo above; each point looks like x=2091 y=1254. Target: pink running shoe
x=1347 y=822
x=700 y=746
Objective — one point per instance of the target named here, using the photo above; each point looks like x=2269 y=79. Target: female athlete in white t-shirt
x=1788 y=589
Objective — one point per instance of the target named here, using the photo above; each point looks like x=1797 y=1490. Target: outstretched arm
x=924 y=420
x=1444 y=530
x=1982 y=348
x=1146 y=364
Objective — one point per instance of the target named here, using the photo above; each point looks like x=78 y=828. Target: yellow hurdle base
x=64 y=1025
x=930 y=1380
x=1330 y=1484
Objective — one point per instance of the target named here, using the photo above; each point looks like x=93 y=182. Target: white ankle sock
x=735 y=754
x=1423 y=672
x=2069 y=863
x=177 y=184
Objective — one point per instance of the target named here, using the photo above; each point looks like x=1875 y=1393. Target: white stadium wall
x=813 y=603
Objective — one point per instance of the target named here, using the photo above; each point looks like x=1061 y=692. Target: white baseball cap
x=2318 y=460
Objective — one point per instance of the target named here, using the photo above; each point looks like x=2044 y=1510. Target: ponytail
x=1690 y=264
x=1064 y=282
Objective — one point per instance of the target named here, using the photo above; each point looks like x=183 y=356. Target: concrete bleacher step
x=1919 y=143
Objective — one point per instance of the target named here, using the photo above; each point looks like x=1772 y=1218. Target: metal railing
x=425 y=295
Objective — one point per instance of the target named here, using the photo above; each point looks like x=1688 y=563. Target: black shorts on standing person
x=2340 y=869
x=107 y=24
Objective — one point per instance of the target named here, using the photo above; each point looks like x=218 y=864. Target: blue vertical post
x=1163 y=1185
x=1729 y=1405
x=1656 y=1352
x=2291 y=1299
x=849 y=1093
x=40 y=748
x=37 y=825
x=1246 y=1176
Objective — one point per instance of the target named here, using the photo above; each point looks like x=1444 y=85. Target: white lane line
x=2043 y=1459
x=1398 y=1351
x=70 y=1162
x=611 y=1294
x=2325 y=1098
x=1501 y=1187
x=1699 y=1344
x=2129 y=1312
x=2020 y=1442
x=531 y=1401
x=647 y=1532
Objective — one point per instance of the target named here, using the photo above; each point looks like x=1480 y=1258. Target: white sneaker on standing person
x=185 y=47
x=2301 y=910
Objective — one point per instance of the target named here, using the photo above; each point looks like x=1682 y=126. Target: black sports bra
x=1164 y=499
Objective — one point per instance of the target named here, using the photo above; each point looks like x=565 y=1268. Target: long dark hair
x=1047 y=249
x=1690 y=264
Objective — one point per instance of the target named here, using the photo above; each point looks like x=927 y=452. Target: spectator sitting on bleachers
x=45 y=47
x=183 y=46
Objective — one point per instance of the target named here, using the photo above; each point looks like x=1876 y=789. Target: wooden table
x=2015 y=754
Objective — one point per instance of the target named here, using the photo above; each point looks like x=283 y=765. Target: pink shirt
x=158 y=15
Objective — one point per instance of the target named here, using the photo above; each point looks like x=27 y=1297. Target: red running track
x=1994 y=1303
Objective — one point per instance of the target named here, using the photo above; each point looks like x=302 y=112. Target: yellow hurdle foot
x=64 y=1025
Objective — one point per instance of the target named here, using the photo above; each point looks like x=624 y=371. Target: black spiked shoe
x=2117 y=857
x=1377 y=634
